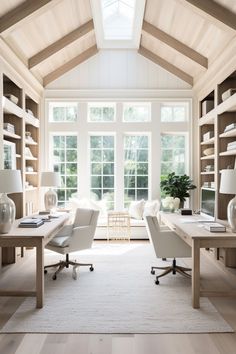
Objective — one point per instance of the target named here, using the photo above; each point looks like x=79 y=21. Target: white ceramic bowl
x=209 y=151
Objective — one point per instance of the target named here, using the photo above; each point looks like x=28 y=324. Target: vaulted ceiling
x=51 y=37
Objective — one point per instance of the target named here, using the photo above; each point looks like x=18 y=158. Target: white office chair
x=167 y=244
x=75 y=237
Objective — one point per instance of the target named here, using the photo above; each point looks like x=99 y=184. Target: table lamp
x=10 y=182
x=50 y=179
x=228 y=186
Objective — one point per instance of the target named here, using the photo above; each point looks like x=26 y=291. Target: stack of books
x=9 y=127
x=214 y=227
x=31 y=222
x=231 y=146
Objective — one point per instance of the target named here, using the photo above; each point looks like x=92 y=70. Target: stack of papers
x=30 y=222
x=214 y=227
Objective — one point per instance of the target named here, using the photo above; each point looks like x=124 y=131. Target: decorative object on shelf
x=209 y=168
x=50 y=179
x=177 y=187
x=29 y=169
x=28 y=153
x=12 y=98
x=9 y=150
x=9 y=127
x=230 y=127
x=209 y=151
x=28 y=137
x=29 y=111
x=231 y=146
x=208 y=135
x=10 y=182
x=228 y=93
x=207 y=106
x=228 y=186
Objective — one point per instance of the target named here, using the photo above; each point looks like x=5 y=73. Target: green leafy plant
x=177 y=186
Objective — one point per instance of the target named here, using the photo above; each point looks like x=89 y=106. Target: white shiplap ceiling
x=53 y=36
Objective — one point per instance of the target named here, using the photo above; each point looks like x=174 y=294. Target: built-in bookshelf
x=217 y=147
x=20 y=136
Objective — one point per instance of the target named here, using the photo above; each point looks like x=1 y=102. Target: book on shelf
x=231 y=147
x=214 y=227
x=31 y=222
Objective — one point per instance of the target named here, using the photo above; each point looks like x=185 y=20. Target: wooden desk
x=33 y=237
x=196 y=236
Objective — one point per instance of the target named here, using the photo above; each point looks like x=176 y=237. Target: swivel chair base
x=171 y=269
x=65 y=264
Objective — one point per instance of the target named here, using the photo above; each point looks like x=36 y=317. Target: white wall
x=118 y=69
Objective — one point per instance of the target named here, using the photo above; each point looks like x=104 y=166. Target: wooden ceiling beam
x=166 y=65
x=70 y=65
x=174 y=43
x=22 y=12
x=60 y=44
x=214 y=11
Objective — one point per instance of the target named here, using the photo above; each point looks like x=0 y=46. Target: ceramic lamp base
x=7 y=213
x=231 y=213
x=50 y=200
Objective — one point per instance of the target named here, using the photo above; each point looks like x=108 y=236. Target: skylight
x=118 y=19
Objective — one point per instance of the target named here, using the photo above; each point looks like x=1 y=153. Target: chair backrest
x=84 y=228
x=154 y=233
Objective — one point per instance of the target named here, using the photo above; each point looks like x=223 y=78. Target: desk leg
x=39 y=274
x=196 y=274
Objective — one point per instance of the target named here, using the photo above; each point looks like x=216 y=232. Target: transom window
x=137 y=112
x=65 y=161
x=102 y=168
x=174 y=112
x=173 y=154
x=101 y=112
x=136 y=165
x=63 y=112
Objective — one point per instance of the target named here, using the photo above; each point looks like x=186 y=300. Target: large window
x=174 y=111
x=173 y=154
x=136 y=163
x=65 y=161
x=102 y=168
x=63 y=111
x=101 y=112
x=137 y=112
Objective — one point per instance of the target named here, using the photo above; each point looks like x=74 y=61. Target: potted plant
x=177 y=187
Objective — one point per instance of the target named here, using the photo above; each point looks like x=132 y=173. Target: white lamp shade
x=228 y=182
x=10 y=181
x=50 y=179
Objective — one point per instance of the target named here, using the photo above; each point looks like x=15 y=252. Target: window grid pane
x=137 y=112
x=101 y=112
x=173 y=154
x=136 y=160
x=65 y=162
x=102 y=180
x=174 y=112
x=63 y=112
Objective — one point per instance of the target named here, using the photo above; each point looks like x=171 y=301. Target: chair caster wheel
x=157 y=282
x=45 y=271
x=91 y=269
x=54 y=277
x=152 y=271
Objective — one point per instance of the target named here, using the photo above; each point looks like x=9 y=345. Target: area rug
x=120 y=296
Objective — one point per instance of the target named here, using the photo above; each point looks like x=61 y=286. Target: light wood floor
x=217 y=343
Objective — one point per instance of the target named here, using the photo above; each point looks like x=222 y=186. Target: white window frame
x=102 y=105
x=136 y=104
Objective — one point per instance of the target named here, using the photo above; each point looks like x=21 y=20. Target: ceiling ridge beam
x=175 y=43
x=23 y=11
x=166 y=65
x=71 y=64
x=60 y=44
x=214 y=10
